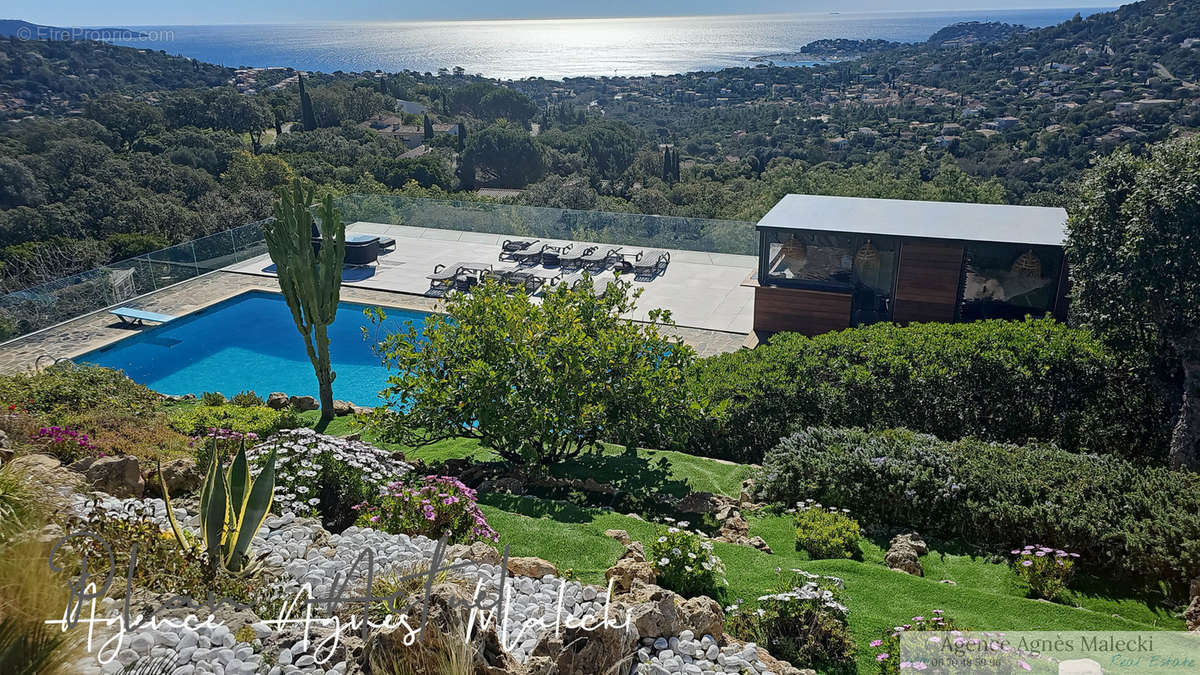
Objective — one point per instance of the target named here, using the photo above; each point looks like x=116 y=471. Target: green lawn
x=986 y=594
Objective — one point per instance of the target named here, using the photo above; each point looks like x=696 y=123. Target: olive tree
x=1134 y=254
x=311 y=281
x=537 y=382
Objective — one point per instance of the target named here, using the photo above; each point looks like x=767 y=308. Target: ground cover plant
x=1110 y=511
x=324 y=476
x=986 y=592
x=434 y=507
x=198 y=420
x=802 y=621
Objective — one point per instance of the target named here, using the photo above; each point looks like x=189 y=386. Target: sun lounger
x=574 y=257
x=599 y=258
x=651 y=261
x=517 y=244
x=136 y=317
x=511 y=247
x=529 y=256
x=447 y=275
x=551 y=253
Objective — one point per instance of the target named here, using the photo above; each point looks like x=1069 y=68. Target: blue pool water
x=251 y=342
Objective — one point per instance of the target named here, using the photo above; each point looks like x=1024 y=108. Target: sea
x=556 y=48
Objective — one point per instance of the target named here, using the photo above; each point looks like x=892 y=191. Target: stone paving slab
x=702 y=290
x=711 y=308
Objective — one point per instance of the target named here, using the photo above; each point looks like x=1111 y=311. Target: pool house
x=827 y=263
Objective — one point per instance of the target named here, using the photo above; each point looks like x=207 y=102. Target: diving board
x=136 y=317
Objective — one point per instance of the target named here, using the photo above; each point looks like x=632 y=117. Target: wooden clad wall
x=800 y=311
x=927 y=281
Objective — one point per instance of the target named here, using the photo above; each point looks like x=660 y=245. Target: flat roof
x=936 y=220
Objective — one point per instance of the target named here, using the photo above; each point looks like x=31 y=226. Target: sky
x=71 y=13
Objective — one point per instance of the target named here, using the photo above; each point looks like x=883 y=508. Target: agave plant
x=232 y=508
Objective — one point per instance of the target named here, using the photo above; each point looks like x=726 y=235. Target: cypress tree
x=462 y=135
x=306 y=109
x=428 y=128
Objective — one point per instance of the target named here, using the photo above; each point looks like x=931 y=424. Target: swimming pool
x=250 y=342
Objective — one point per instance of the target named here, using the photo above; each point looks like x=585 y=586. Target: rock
x=304 y=403
x=733 y=527
x=478 y=551
x=3 y=439
x=620 y=535
x=904 y=554
x=531 y=567
x=1080 y=667
x=182 y=476
x=913 y=540
x=727 y=511
x=746 y=498
x=343 y=408
x=47 y=476
x=1195 y=588
x=1192 y=614
x=277 y=400
x=759 y=543
x=634 y=551
x=118 y=476
x=697 y=502
x=772 y=664
x=600 y=650
x=652 y=610
x=904 y=558
x=628 y=570
x=703 y=616
x=361 y=410
x=6 y=455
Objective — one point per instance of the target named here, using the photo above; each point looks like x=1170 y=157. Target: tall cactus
x=311 y=282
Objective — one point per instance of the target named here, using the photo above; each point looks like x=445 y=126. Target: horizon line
x=577 y=18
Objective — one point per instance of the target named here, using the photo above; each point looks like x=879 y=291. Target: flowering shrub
x=916 y=654
x=437 y=506
x=888 y=656
x=686 y=564
x=804 y=622
x=65 y=443
x=826 y=533
x=325 y=476
x=1048 y=571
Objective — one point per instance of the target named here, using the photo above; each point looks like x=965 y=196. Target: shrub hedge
x=66 y=388
x=1006 y=381
x=1124 y=519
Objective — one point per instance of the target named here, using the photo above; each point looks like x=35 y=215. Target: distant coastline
x=25 y=30
x=552 y=48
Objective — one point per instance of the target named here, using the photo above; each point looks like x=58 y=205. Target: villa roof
x=935 y=220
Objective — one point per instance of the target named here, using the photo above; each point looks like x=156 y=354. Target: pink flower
x=882 y=657
x=876 y=643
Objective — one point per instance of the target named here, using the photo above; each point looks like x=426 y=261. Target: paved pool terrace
x=704 y=291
